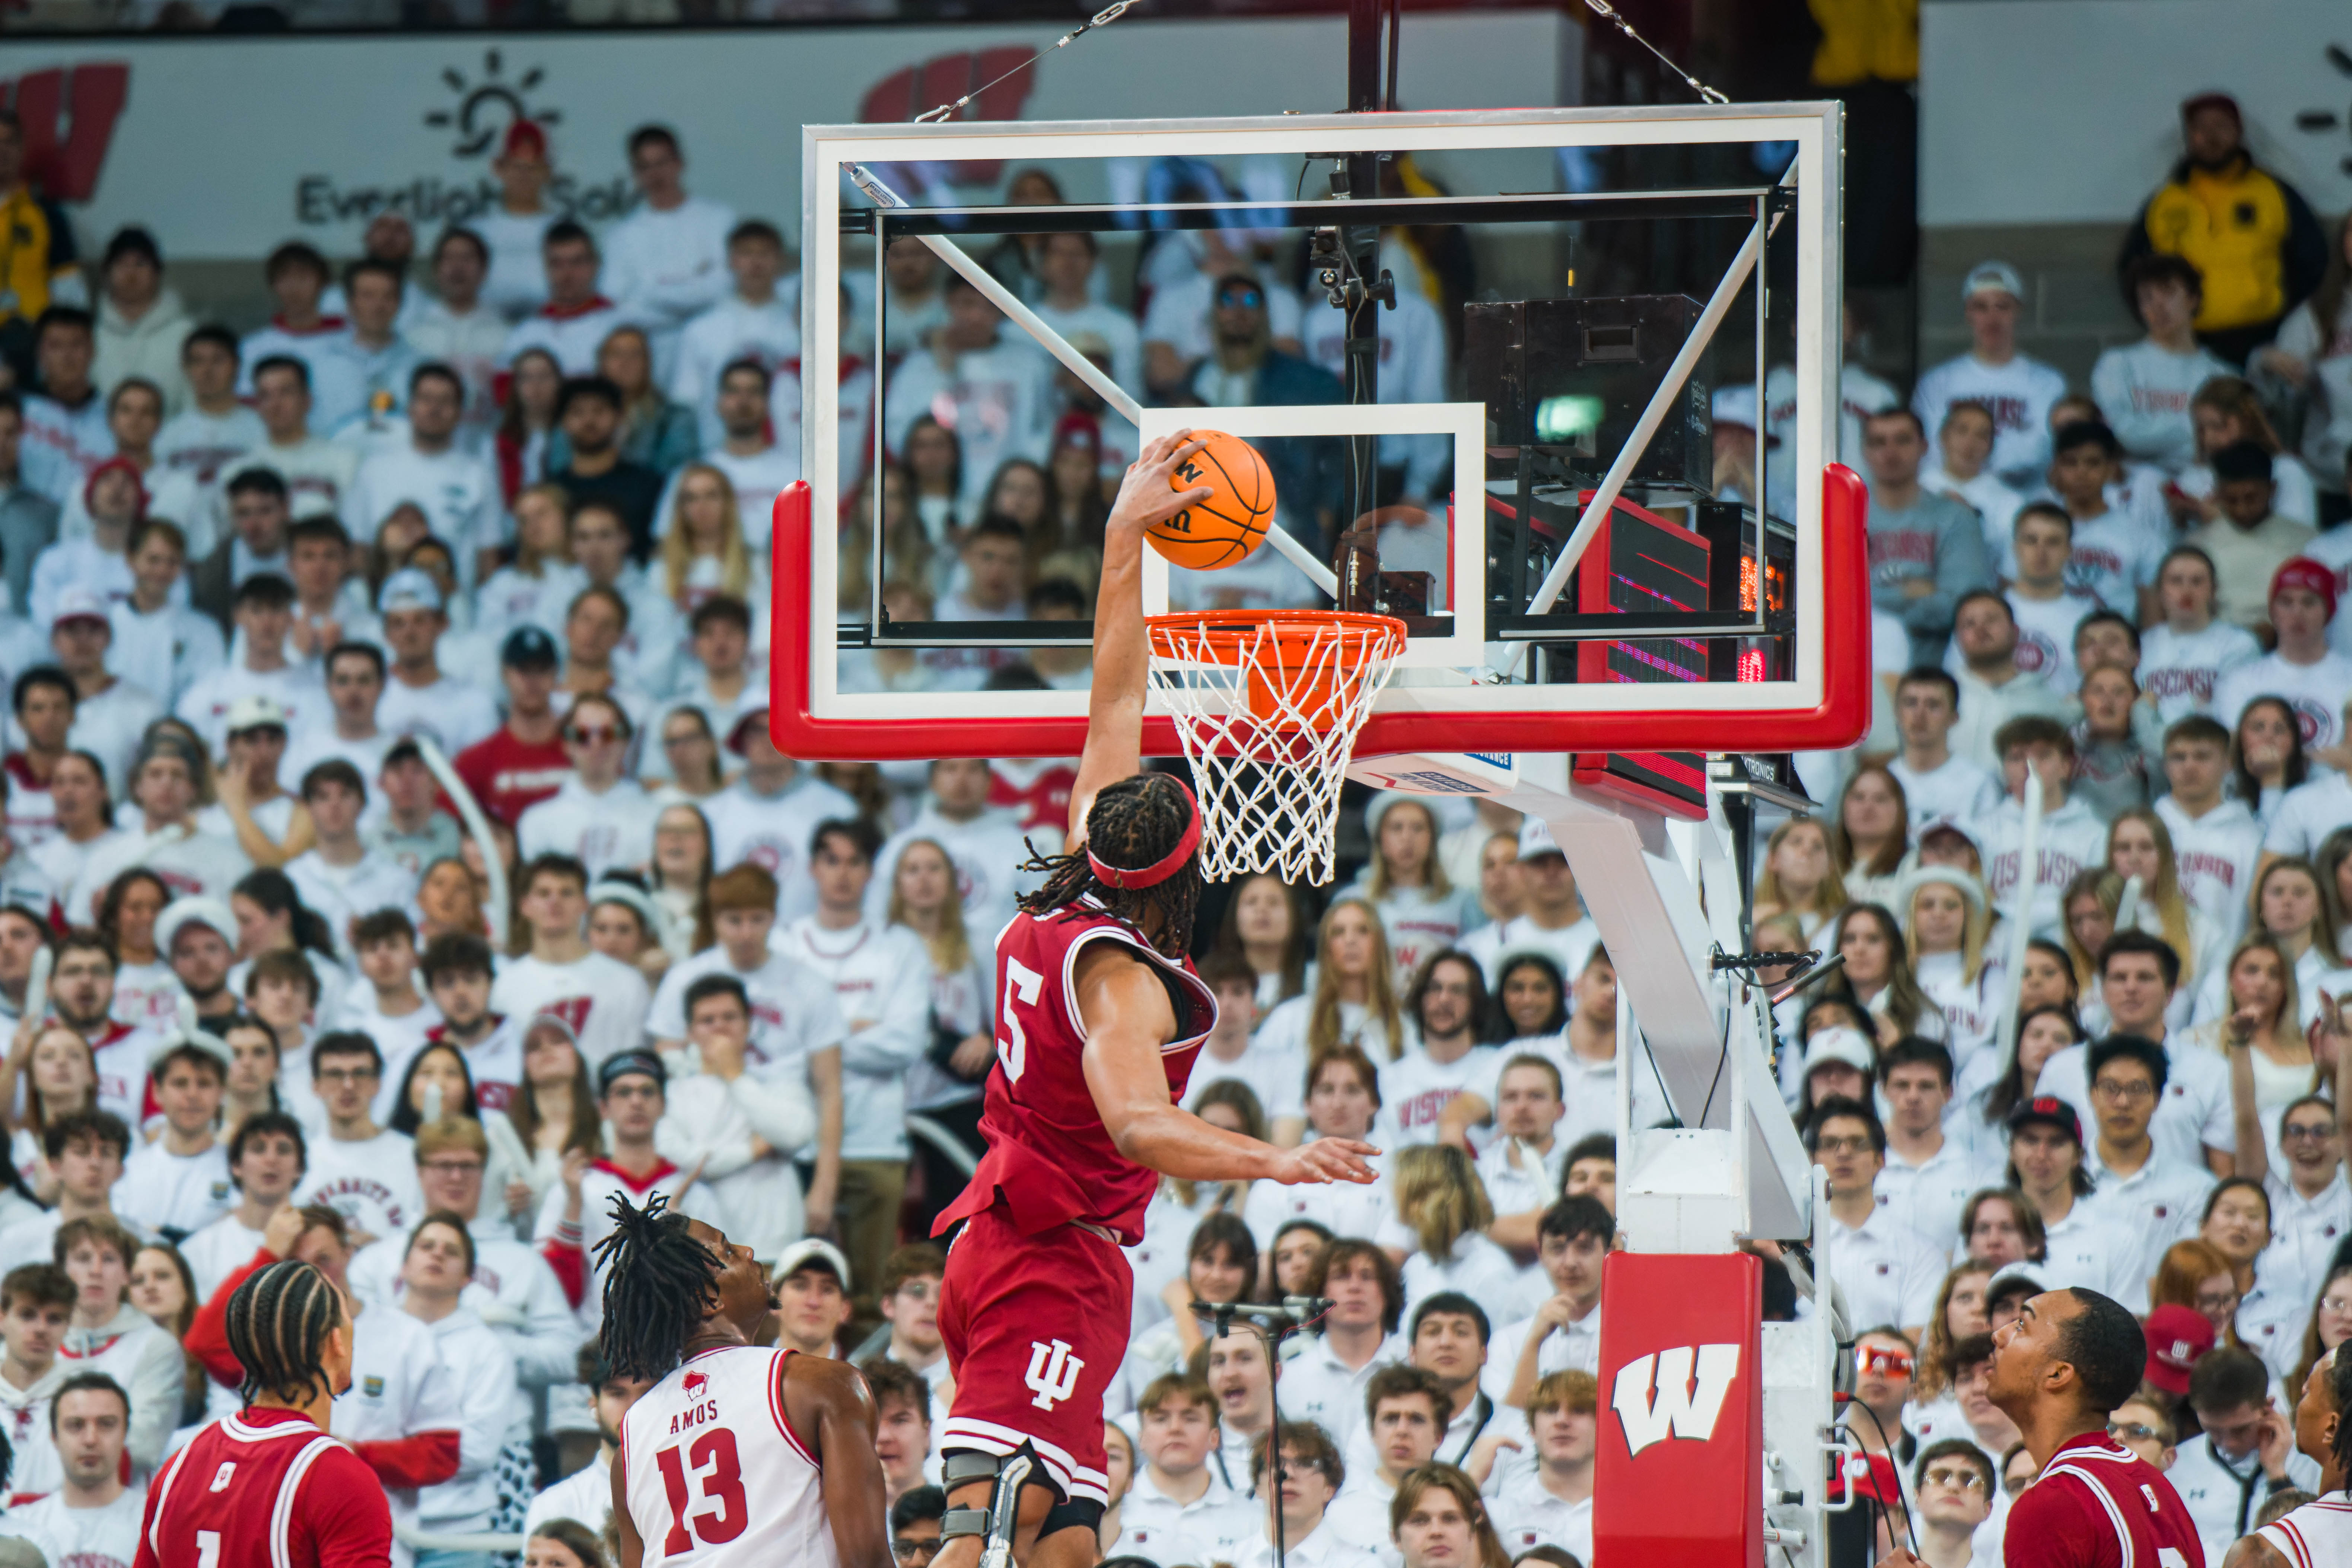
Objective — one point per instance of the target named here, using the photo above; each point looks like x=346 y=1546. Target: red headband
x=1160 y=870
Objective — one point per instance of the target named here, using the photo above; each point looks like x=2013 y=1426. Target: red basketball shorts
x=1035 y=1328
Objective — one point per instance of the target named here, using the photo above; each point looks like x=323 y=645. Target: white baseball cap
x=81 y=605
x=183 y=912
x=1839 y=1044
x=1992 y=275
x=409 y=589
x=811 y=1249
x=1535 y=840
x=256 y=710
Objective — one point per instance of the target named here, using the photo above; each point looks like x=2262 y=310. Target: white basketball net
x=1267 y=706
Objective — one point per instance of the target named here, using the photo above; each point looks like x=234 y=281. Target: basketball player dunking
x=267 y=1488
x=738 y=1456
x=1100 y=1018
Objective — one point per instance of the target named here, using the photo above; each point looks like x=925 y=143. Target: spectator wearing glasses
x=2311 y=1203
x=1312 y=1474
x=1888 y=1273
x=915 y=1522
x=2156 y=1196
x=1954 y=1483
x=597 y=816
x=514 y=1288
x=359 y=1169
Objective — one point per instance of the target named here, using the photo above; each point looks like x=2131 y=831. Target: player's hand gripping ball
x=1222 y=531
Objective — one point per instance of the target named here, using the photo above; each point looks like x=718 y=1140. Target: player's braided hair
x=658 y=1284
x=278 y=1325
x=1132 y=824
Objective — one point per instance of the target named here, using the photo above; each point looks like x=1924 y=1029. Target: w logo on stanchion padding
x=1674 y=1408
x=1053 y=1372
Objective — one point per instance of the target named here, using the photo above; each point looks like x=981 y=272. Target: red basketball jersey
x=1049 y=1158
x=266 y=1489
x=2098 y=1505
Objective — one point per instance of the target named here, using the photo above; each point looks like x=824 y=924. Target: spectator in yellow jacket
x=2249 y=234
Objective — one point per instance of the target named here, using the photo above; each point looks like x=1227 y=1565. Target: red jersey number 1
x=1021 y=984
x=720 y=1472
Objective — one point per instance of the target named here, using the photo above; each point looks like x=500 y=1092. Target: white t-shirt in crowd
x=342 y=894
x=2306 y=816
x=453 y=713
x=2215 y=856
x=1416 y=1087
x=2195 y=1115
x=793 y=1012
x=1275 y=1070
x=609 y=832
x=2314 y=691
x=162 y=1192
x=371 y=1182
x=881 y=979
x=773 y=832
x=2019 y=392
x=2179 y=671
x=601 y=998
x=1957 y=791
x=104 y=1537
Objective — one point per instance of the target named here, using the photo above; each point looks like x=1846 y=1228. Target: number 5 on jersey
x=1021 y=984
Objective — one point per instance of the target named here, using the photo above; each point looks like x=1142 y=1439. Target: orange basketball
x=1222 y=531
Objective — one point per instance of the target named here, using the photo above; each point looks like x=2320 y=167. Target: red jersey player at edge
x=739 y=1455
x=2059 y=1372
x=267 y=1488
x=1101 y=1019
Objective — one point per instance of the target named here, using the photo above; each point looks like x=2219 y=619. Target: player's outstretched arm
x=830 y=1407
x=1128 y=1018
x=1114 y=748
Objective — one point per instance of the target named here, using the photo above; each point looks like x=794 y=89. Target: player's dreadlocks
x=278 y=1325
x=1133 y=825
x=658 y=1284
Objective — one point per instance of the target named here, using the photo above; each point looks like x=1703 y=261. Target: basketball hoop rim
x=1232 y=634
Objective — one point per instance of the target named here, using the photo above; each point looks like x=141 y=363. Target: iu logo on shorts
x=1053 y=1372
x=1674 y=1408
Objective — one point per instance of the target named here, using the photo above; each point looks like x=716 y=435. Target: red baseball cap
x=2177 y=1338
x=2302 y=572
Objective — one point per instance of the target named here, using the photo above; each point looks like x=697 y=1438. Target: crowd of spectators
x=493 y=516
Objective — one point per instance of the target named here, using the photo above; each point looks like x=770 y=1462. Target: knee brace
x=997 y=1520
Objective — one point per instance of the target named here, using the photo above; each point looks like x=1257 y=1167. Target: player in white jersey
x=738 y=1455
x=2320 y=1532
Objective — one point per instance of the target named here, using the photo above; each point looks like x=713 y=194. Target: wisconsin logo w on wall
x=1674 y=1406
x=69 y=115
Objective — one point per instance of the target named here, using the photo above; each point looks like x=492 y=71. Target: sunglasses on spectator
x=910 y=1549
x=1882 y=1359
x=1959 y=1478
x=2133 y=1432
x=1243 y=299
x=594 y=735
